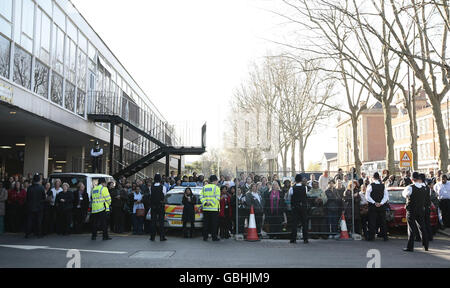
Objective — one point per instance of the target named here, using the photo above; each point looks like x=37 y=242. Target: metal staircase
x=155 y=139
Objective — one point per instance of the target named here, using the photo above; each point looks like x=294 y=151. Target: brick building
x=371 y=140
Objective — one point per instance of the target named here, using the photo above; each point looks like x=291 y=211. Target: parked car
x=174 y=207
x=397 y=212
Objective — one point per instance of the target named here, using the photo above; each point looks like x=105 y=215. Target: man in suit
x=415 y=195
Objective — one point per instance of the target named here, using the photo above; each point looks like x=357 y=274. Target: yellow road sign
x=406 y=160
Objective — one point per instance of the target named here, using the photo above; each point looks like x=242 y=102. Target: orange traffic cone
x=344 y=232
x=252 y=234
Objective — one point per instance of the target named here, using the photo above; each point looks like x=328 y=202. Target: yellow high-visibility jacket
x=210 y=198
x=101 y=200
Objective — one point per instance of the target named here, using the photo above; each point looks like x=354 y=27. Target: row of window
x=65 y=65
x=23 y=72
x=423 y=127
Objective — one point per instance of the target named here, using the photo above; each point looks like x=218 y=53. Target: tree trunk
x=389 y=137
x=411 y=107
x=301 y=150
x=284 y=159
x=355 y=145
x=293 y=157
x=443 y=147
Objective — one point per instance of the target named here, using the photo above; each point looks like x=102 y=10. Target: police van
x=174 y=206
x=88 y=179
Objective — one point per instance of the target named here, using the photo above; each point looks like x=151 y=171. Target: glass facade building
x=48 y=48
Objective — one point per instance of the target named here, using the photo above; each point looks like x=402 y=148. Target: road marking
x=28 y=247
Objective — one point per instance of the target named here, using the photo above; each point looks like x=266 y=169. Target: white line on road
x=28 y=247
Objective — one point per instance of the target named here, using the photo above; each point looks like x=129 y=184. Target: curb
x=443 y=233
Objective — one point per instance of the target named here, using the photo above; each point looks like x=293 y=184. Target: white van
x=88 y=179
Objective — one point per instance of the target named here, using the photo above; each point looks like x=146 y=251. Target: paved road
x=138 y=251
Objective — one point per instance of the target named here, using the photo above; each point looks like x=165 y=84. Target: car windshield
x=174 y=199
x=176 y=196
x=395 y=197
x=71 y=180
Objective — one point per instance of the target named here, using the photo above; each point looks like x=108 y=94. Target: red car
x=397 y=214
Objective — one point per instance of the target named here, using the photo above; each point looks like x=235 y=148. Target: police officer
x=101 y=200
x=297 y=196
x=96 y=154
x=377 y=196
x=210 y=199
x=415 y=195
x=157 y=194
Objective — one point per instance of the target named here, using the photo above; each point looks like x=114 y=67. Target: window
x=41 y=75
x=6 y=17
x=82 y=62
x=92 y=53
x=59 y=17
x=57 y=83
x=69 y=96
x=5 y=49
x=46 y=5
x=72 y=31
x=82 y=42
x=27 y=18
x=70 y=60
x=81 y=98
x=24 y=22
x=58 y=49
x=42 y=47
x=22 y=68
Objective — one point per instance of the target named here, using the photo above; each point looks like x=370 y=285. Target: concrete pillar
x=75 y=158
x=36 y=155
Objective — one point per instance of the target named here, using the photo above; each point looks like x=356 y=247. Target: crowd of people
x=35 y=206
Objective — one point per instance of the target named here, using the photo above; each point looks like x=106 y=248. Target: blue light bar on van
x=189 y=184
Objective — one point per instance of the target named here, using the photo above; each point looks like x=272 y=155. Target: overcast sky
x=189 y=56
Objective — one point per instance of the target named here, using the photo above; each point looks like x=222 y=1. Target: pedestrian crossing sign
x=406 y=159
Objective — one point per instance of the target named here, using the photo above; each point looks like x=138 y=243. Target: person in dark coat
x=119 y=199
x=49 y=215
x=64 y=206
x=157 y=205
x=80 y=208
x=415 y=195
x=299 y=202
x=35 y=207
x=348 y=212
x=427 y=218
x=189 y=201
x=233 y=208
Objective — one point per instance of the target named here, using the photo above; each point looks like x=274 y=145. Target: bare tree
x=340 y=27
x=430 y=20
